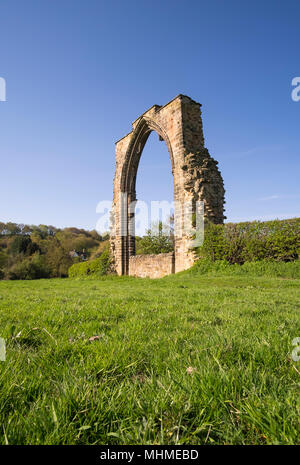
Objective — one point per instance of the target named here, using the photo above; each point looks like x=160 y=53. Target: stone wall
x=151 y=266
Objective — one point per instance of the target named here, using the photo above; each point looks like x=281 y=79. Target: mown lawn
x=191 y=359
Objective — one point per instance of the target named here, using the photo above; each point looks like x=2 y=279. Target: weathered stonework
x=195 y=175
x=152 y=266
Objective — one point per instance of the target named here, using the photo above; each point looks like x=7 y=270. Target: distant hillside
x=32 y=252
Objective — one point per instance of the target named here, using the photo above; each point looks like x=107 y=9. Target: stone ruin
x=195 y=174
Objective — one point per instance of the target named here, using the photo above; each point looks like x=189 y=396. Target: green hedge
x=97 y=267
x=251 y=241
x=270 y=268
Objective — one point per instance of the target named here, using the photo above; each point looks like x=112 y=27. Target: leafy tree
x=57 y=259
x=24 y=245
x=12 y=228
x=157 y=240
x=33 y=267
x=95 y=235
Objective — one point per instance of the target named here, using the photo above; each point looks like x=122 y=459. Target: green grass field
x=199 y=357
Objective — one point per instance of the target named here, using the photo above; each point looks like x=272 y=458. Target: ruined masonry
x=195 y=175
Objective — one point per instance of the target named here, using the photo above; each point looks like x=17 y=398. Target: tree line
x=32 y=252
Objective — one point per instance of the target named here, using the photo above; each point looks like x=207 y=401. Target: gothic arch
x=195 y=176
x=136 y=146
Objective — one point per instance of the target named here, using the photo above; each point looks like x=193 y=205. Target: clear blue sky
x=78 y=72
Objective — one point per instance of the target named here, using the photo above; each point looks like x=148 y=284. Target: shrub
x=97 y=267
x=252 y=241
x=33 y=267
